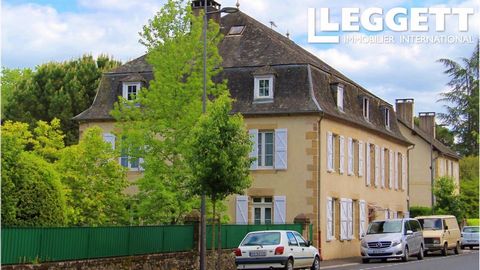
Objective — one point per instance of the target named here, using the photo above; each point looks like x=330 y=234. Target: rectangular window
x=361 y=157
x=265 y=148
x=372 y=164
x=399 y=170
x=131 y=90
x=386 y=168
x=387 y=117
x=366 y=108
x=263 y=87
x=340 y=97
x=262 y=210
x=336 y=152
x=350 y=155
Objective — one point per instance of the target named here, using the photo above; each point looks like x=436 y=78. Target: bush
x=416 y=211
x=473 y=222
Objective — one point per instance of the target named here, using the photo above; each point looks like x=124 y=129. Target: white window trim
x=262 y=133
x=263 y=205
x=257 y=87
x=330 y=219
x=129 y=164
x=387 y=118
x=125 y=88
x=340 y=98
x=366 y=109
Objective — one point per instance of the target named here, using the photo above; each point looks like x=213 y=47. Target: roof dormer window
x=387 y=118
x=340 y=97
x=366 y=108
x=263 y=87
x=131 y=90
x=236 y=30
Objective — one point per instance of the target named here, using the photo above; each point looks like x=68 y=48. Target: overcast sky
x=35 y=32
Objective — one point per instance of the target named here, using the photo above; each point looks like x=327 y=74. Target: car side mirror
x=409 y=232
x=308 y=243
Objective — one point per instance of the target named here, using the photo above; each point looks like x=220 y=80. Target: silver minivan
x=393 y=238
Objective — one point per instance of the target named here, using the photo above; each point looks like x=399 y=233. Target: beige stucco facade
x=419 y=168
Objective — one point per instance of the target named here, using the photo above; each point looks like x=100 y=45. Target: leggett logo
x=396 y=19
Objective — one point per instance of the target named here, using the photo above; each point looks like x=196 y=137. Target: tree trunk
x=219 y=250
x=213 y=226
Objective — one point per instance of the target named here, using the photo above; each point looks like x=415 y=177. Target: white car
x=470 y=237
x=276 y=250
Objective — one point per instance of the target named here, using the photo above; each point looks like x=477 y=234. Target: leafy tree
x=95 y=182
x=219 y=153
x=416 y=211
x=447 y=201
x=462 y=114
x=10 y=80
x=469 y=185
x=157 y=124
x=32 y=194
x=56 y=90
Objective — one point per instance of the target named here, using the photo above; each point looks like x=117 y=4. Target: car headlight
x=396 y=243
x=364 y=244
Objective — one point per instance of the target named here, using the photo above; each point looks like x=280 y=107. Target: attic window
x=236 y=30
x=263 y=87
x=366 y=108
x=387 y=117
x=130 y=90
x=340 y=97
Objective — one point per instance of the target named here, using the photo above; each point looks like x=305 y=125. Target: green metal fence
x=232 y=235
x=26 y=245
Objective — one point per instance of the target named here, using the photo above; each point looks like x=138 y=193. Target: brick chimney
x=427 y=122
x=404 y=110
x=198 y=5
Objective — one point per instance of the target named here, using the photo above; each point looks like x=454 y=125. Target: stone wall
x=166 y=261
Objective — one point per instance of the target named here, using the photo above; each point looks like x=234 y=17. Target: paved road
x=467 y=260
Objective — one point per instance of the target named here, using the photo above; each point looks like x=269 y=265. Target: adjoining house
x=430 y=159
x=325 y=147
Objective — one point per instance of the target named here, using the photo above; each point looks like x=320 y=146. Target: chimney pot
x=405 y=109
x=199 y=5
x=427 y=122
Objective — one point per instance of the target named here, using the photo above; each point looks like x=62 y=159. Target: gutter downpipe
x=312 y=95
x=411 y=147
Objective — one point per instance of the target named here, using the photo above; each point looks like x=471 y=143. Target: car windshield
x=431 y=223
x=262 y=238
x=471 y=229
x=388 y=226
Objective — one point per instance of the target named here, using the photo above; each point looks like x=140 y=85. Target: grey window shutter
x=254 y=153
x=110 y=138
x=281 y=141
x=241 y=212
x=279 y=209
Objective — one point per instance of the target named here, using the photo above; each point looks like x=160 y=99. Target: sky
x=36 y=32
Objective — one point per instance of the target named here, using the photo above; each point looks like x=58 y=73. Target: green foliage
x=219 y=152
x=473 y=222
x=416 y=211
x=95 y=182
x=10 y=79
x=462 y=115
x=447 y=201
x=445 y=136
x=32 y=194
x=157 y=125
x=469 y=185
x=55 y=90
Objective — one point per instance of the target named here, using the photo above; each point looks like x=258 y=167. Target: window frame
x=125 y=86
x=256 y=91
x=262 y=205
x=366 y=108
x=387 y=118
x=261 y=153
x=340 y=97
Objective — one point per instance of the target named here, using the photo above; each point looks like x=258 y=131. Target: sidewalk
x=340 y=262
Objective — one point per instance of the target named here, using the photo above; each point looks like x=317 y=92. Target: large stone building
x=325 y=146
x=429 y=159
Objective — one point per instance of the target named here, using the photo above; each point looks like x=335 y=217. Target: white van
x=440 y=232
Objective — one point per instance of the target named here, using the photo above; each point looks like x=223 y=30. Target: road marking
x=338 y=266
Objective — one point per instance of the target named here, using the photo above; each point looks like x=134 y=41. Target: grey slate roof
x=437 y=145
x=302 y=82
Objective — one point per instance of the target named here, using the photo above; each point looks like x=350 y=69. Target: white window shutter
x=390 y=167
x=350 y=156
x=343 y=219
x=281 y=140
x=396 y=170
x=241 y=212
x=367 y=174
x=329 y=152
x=377 y=165
x=382 y=166
x=362 y=218
x=387 y=213
x=341 y=166
x=361 y=167
x=279 y=209
x=394 y=214
x=404 y=172
x=329 y=219
x=350 y=219
x=254 y=153
x=109 y=138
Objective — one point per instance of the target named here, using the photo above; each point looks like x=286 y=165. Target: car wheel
x=445 y=250
x=462 y=247
x=425 y=253
x=457 y=248
x=289 y=265
x=420 y=254
x=316 y=264
x=471 y=247
x=405 y=255
x=365 y=260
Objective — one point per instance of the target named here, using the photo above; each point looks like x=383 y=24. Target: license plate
x=258 y=253
x=376 y=251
